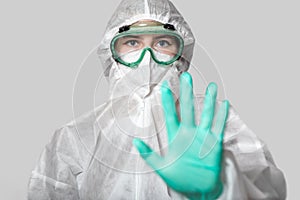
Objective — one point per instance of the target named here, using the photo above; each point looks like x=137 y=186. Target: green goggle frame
x=151 y=30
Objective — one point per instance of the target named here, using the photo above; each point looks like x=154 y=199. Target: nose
x=148 y=41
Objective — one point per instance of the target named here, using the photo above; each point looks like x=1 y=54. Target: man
x=193 y=147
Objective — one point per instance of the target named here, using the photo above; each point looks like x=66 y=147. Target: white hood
x=130 y=11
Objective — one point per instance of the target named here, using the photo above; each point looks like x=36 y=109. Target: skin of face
x=165 y=44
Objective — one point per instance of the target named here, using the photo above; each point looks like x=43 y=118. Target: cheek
x=121 y=49
x=172 y=51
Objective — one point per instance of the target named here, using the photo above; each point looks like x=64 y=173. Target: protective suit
x=93 y=156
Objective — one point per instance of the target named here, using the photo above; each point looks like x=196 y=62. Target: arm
x=54 y=177
x=248 y=163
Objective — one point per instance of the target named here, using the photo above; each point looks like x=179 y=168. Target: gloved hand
x=192 y=164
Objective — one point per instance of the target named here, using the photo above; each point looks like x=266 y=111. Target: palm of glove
x=192 y=164
x=185 y=169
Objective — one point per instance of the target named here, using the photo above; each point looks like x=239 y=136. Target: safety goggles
x=131 y=44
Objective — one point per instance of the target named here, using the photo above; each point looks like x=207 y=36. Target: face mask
x=142 y=81
x=139 y=89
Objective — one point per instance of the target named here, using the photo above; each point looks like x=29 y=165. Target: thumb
x=152 y=158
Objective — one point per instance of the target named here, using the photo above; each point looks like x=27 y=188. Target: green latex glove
x=192 y=164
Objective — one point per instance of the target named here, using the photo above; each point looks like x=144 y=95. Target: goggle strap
x=169 y=27
x=127 y=28
x=124 y=28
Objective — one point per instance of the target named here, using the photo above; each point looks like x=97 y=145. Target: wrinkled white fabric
x=90 y=158
x=93 y=157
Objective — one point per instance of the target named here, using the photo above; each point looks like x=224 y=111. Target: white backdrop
x=255 y=45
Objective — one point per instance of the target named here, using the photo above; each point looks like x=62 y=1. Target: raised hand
x=192 y=164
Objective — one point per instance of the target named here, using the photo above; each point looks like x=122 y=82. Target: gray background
x=255 y=45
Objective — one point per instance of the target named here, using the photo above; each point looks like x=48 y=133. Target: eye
x=163 y=43
x=132 y=43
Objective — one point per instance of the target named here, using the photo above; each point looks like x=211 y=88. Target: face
x=165 y=44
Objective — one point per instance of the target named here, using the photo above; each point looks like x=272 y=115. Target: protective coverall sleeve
x=250 y=171
x=54 y=177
